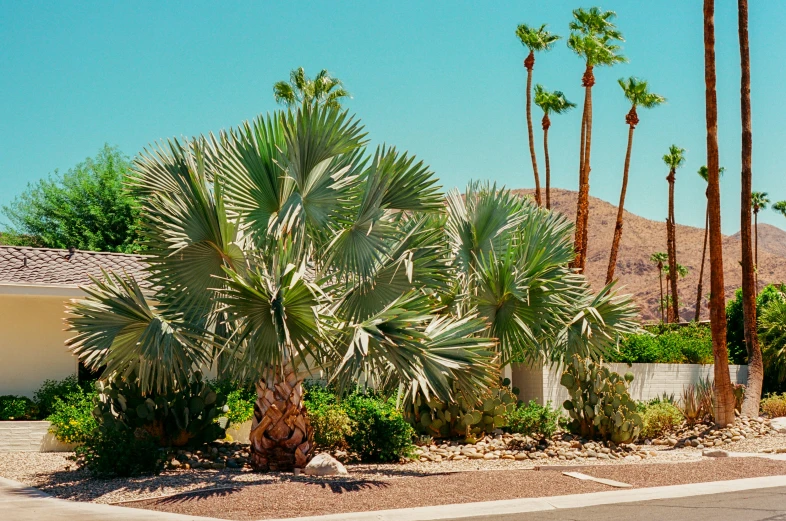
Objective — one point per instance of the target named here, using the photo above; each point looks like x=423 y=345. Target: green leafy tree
x=735 y=330
x=285 y=248
x=551 y=102
x=535 y=39
x=87 y=208
x=323 y=89
x=637 y=92
x=674 y=160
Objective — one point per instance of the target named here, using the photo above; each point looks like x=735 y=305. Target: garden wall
x=650 y=380
x=29 y=436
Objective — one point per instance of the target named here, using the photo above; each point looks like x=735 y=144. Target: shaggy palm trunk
x=756 y=247
x=546 y=123
x=724 y=397
x=750 y=404
x=631 y=119
x=660 y=276
x=582 y=204
x=672 y=248
x=281 y=435
x=701 y=270
x=529 y=62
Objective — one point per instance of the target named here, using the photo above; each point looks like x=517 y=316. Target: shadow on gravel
x=197 y=495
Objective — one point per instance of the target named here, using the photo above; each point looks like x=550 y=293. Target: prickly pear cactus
x=462 y=419
x=174 y=419
x=600 y=406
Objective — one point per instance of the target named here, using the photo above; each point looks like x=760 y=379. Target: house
x=36 y=285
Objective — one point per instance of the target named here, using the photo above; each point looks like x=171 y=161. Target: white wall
x=649 y=380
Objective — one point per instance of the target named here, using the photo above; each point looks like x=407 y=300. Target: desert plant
x=72 y=419
x=533 y=419
x=774 y=405
x=696 y=404
x=17 y=408
x=659 y=419
x=119 y=451
x=600 y=405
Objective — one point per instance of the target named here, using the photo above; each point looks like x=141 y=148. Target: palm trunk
x=582 y=204
x=750 y=404
x=672 y=245
x=724 y=397
x=281 y=435
x=660 y=276
x=615 y=243
x=529 y=63
x=756 y=239
x=701 y=270
x=546 y=123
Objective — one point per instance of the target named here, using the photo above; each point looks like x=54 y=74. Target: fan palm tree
x=594 y=38
x=282 y=248
x=553 y=102
x=637 y=92
x=323 y=89
x=759 y=201
x=681 y=272
x=703 y=174
x=674 y=159
x=536 y=39
x=723 y=403
x=659 y=258
x=780 y=207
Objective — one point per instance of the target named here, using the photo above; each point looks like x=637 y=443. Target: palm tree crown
x=536 y=39
x=323 y=89
x=780 y=207
x=637 y=92
x=759 y=201
x=552 y=102
x=593 y=36
x=675 y=158
x=704 y=173
x=659 y=258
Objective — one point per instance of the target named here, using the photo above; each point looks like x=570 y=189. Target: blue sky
x=443 y=80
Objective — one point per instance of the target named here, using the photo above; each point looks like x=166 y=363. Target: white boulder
x=324 y=464
x=779 y=424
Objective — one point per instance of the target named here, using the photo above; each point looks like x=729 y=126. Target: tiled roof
x=46 y=266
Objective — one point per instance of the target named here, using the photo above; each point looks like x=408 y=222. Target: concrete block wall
x=650 y=380
x=29 y=436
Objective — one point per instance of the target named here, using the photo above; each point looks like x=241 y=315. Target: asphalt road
x=752 y=505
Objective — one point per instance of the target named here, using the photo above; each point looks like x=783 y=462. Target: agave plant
x=283 y=248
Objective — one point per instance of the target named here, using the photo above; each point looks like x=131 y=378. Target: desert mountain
x=641 y=237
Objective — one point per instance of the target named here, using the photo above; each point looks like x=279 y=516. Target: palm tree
x=551 y=103
x=703 y=174
x=752 y=399
x=674 y=159
x=637 y=92
x=282 y=248
x=759 y=201
x=323 y=89
x=593 y=37
x=682 y=272
x=780 y=207
x=724 y=397
x=659 y=258
x=536 y=40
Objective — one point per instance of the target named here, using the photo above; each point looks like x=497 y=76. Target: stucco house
x=36 y=285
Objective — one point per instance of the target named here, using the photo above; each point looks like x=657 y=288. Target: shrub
x=774 y=405
x=52 y=390
x=666 y=345
x=332 y=426
x=735 y=327
x=660 y=418
x=17 y=408
x=383 y=435
x=119 y=451
x=72 y=417
x=240 y=405
x=534 y=419
x=696 y=403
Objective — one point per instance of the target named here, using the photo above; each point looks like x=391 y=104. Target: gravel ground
x=771 y=443
x=306 y=497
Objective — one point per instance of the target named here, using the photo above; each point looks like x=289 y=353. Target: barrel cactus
x=193 y=415
x=600 y=406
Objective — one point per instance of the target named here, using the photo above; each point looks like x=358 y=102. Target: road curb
x=520 y=506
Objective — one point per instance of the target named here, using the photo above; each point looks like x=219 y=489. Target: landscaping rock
x=324 y=464
x=779 y=424
x=715 y=453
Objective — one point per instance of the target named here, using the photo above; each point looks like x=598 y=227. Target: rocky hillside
x=641 y=237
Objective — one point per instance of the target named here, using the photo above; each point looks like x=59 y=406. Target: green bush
x=690 y=344
x=119 y=451
x=72 y=417
x=534 y=419
x=17 y=408
x=774 y=405
x=383 y=435
x=53 y=390
x=735 y=324
x=332 y=426
x=659 y=419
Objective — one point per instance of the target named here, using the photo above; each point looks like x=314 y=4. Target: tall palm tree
x=594 y=38
x=551 y=102
x=536 y=39
x=724 y=397
x=283 y=248
x=759 y=201
x=780 y=207
x=681 y=272
x=659 y=258
x=703 y=174
x=674 y=159
x=323 y=89
x=637 y=92
x=752 y=399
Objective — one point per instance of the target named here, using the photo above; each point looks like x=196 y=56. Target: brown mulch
x=315 y=496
